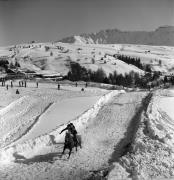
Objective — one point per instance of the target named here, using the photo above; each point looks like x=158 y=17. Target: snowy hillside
x=55 y=58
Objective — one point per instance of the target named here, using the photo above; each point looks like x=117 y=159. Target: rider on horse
x=71 y=128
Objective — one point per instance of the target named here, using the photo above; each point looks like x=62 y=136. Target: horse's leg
x=80 y=145
x=75 y=142
x=64 y=149
x=79 y=142
x=69 y=152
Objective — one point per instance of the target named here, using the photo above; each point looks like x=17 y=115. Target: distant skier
x=37 y=84
x=17 y=91
x=86 y=85
x=7 y=87
x=76 y=84
x=11 y=84
x=58 y=86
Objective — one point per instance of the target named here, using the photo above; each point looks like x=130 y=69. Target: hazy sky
x=50 y=20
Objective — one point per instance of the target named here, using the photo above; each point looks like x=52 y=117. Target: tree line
x=4 y=63
x=8 y=66
x=78 y=73
x=134 y=61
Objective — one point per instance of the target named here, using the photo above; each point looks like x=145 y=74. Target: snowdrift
x=151 y=154
x=33 y=146
x=160 y=124
x=18 y=116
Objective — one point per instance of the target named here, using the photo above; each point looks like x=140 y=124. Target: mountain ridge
x=163 y=35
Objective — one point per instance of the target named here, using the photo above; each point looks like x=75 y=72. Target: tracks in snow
x=103 y=141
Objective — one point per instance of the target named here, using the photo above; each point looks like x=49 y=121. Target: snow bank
x=17 y=117
x=161 y=123
x=151 y=154
x=60 y=112
x=33 y=146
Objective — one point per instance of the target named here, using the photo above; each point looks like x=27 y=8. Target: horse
x=70 y=143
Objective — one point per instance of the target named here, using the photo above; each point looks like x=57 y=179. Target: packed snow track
x=101 y=136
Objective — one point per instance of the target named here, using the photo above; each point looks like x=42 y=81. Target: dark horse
x=70 y=142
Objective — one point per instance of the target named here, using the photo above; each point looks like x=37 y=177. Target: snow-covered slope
x=151 y=155
x=30 y=146
x=159 y=57
x=56 y=59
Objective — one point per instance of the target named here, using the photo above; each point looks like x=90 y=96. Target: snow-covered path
x=59 y=113
x=101 y=139
x=166 y=104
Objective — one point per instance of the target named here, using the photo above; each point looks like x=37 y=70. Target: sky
x=22 y=21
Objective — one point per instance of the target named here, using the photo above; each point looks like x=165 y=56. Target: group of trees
x=14 y=65
x=4 y=63
x=135 y=61
x=78 y=73
x=7 y=66
x=131 y=79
